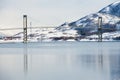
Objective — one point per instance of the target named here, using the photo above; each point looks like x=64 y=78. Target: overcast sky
x=47 y=12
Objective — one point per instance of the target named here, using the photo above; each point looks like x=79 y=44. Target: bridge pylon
x=99 y=29
x=24 y=28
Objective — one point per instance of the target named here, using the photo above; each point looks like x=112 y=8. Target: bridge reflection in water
x=50 y=63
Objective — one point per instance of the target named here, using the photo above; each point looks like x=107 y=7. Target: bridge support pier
x=24 y=28
x=100 y=29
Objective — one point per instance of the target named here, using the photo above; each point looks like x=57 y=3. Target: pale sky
x=47 y=12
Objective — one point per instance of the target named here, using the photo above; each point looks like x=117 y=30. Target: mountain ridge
x=89 y=23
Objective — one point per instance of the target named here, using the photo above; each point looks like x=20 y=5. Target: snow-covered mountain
x=84 y=29
x=112 y=9
x=89 y=24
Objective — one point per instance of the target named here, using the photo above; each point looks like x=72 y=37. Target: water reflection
x=49 y=64
x=115 y=67
x=26 y=61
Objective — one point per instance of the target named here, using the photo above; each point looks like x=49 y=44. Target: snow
x=65 y=31
x=107 y=9
x=115 y=3
x=56 y=34
x=108 y=36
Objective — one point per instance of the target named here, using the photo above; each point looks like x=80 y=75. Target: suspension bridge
x=25 y=29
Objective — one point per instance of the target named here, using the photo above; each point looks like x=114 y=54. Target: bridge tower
x=24 y=28
x=100 y=29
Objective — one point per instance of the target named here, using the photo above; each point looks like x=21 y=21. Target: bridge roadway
x=42 y=27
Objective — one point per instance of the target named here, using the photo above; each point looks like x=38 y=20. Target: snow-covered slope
x=2 y=35
x=92 y=20
x=88 y=24
x=84 y=29
x=112 y=9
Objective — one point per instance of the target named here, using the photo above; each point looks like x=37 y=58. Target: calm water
x=60 y=61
